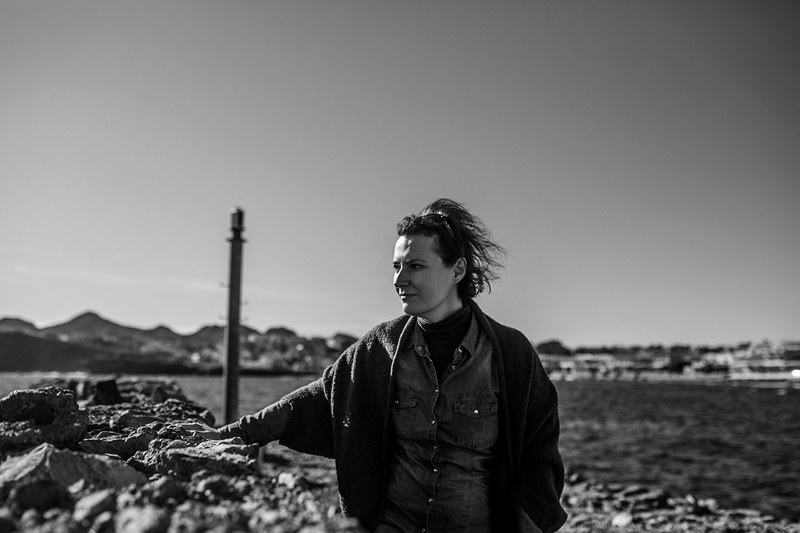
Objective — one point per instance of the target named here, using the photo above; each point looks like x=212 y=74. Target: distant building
x=761 y=350
x=789 y=350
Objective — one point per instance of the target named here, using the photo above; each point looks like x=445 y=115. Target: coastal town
x=93 y=343
x=762 y=361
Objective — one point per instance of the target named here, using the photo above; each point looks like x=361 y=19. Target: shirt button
x=435 y=470
x=435 y=448
x=433 y=421
x=430 y=500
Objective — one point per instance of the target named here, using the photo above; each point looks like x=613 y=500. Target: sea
x=739 y=445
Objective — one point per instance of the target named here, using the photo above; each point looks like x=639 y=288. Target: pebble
x=622 y=519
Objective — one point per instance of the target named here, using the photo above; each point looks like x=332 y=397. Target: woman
x=440 y=420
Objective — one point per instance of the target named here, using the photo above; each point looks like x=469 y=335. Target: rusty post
x=232 y=334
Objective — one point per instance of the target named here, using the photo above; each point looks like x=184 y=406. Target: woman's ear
x=460 y=269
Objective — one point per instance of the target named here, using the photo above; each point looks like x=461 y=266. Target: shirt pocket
x=404 y=412
x=475 y=422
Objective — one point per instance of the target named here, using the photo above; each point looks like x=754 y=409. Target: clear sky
x=640 y=160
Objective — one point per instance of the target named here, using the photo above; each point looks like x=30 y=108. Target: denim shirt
x=444 y=434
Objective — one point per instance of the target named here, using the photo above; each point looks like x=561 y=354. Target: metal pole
x=231 y=367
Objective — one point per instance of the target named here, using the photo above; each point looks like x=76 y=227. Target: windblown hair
x=459 y=233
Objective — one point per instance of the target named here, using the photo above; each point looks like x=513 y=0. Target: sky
x=639 y=160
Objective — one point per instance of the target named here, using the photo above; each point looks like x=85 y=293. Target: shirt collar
x=470 y=342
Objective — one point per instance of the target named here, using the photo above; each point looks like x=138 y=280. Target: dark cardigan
x=345 y=415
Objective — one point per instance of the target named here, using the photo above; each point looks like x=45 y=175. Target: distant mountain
x=211 y=335
x=10 y=324
x=94 y=343
x=92 y=324
x=163 y=333
x=206 y=336
x=281 y=331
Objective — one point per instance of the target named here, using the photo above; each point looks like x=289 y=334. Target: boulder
x=46 y=462
x=179 y=458
x=107 y=393
x=31 y=417
x=122 y=444
x=42 y=406
x=130 y=416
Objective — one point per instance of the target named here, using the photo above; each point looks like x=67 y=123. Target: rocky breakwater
x=113 y=456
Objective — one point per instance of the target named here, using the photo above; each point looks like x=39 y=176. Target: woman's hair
x=459 y=234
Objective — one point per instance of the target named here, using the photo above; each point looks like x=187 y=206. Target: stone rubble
x=598 y=507
x=111 y=456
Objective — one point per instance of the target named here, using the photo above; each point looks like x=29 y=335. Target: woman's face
x=427 y=288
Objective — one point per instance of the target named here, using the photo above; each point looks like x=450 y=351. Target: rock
x=41 y=495
x=136 y=418
x=162 y=490
x=622 y=519
x=119 y=444
x=156 y=390
x=293 y=480
x=651 y=499
x=94 y=504
x=66 y=467
x=631 y=490
x=103 y=523
x=179 y=458
x=264 y=518
x=30 y=519
x=58 y=521
x=112 y=391
x=149 y=461
x=216 y=487
x=162 y=392
x=146 y=519
x=42 y=406
x=125 y=416
x=126 y=444
x=107 y=393
x=31 y=417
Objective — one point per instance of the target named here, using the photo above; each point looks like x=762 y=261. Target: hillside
x=93 y=343
x=20 y=352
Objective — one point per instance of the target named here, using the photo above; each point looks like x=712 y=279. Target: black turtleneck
x=445 y=336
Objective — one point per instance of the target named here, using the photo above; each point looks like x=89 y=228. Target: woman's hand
x=201 y=430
